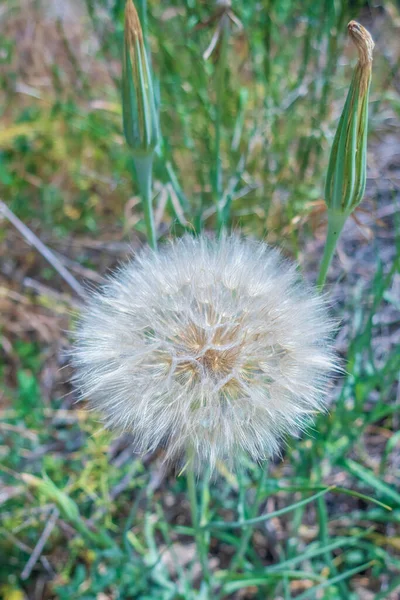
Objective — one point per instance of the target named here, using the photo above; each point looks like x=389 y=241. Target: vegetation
x=249 y=99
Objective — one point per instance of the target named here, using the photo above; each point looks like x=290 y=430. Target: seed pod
x=138 y=105
x=345 y=182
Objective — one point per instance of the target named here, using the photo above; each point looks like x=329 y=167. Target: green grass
x=324 y=521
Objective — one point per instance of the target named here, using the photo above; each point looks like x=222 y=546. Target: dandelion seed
x=213 y=347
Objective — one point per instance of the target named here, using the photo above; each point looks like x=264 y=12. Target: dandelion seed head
x=211 y=346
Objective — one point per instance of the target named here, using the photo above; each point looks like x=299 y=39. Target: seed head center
x=219 y=363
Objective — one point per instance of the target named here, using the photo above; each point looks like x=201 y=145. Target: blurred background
x=66 y=181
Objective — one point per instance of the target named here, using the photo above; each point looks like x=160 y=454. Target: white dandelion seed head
x=210 y=346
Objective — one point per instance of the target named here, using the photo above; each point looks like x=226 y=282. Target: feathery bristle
x=210 y=345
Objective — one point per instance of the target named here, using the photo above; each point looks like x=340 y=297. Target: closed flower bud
x=138 y=105
x=345 y=183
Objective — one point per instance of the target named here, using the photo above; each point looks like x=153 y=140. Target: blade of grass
x=340 y=542
x=321 y=586
x=334 y=489
x=262 y=518
x=368 y=477
x=262 y=580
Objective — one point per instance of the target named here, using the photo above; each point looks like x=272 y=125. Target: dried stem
x=33 y=240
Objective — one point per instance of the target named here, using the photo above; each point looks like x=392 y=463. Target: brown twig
x=33 y=240
x=38 y=549
x=21 y=546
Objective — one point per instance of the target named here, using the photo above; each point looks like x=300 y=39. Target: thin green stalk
x=143 y=166
x=332 y=51
x=222 y=216
x=205 y=496
x=267 y=38
x=322 y=513
x=336 y=222
x=198 y=529
x=247 y=533
x=292 y=543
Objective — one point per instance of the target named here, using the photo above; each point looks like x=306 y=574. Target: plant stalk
x=198 y=529
x=237 y=561
x=143 y=166
x=220 y=92
x=336 y=222
x=322 y=512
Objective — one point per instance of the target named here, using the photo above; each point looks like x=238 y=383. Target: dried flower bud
x=345 y=183
x=138 y=105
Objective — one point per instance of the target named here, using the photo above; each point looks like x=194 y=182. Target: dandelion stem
x=247 y=533
x=336 y=222
x=198 y=529
x=143 y=166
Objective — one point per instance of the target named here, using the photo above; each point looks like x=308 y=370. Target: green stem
x=198 y=528
x=322 y=512
x=220 y=92
x=143 y=166
x=237 y=562
x=335 y=226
